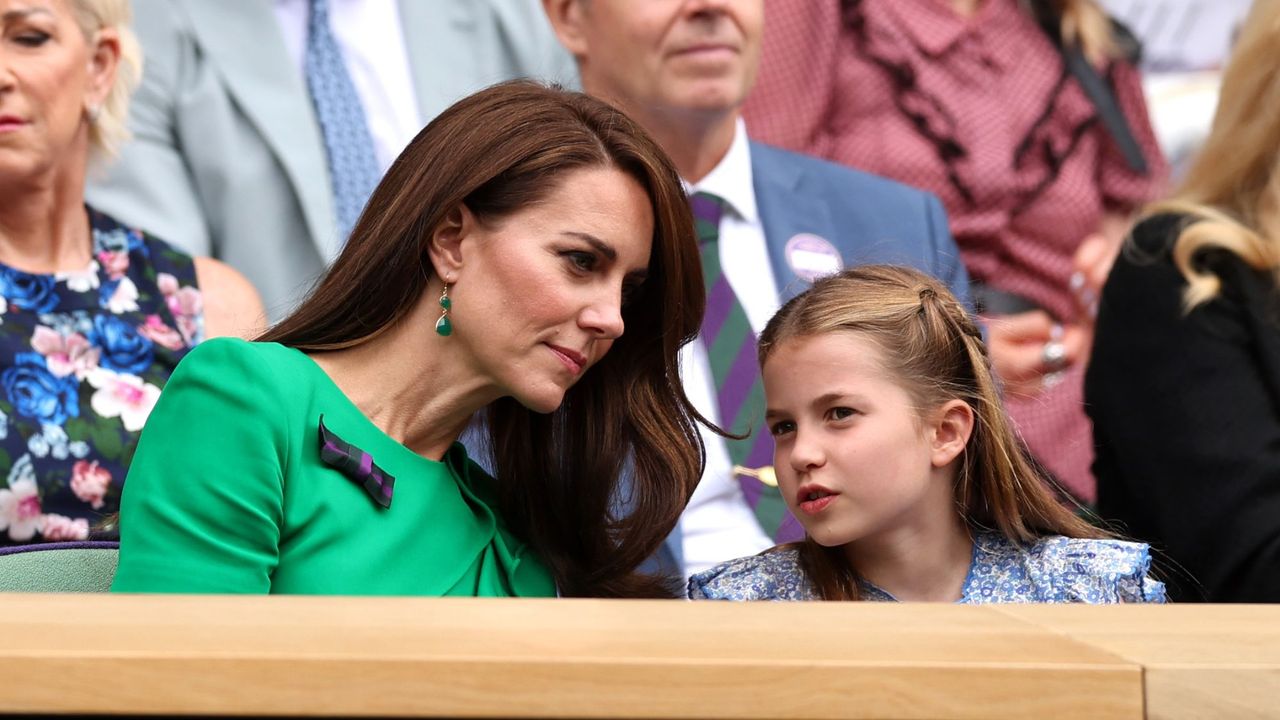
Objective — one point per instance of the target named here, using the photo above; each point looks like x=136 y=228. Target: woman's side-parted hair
x=559 y=474
x=110 y=129
x=1232 y=191
x=935 y=351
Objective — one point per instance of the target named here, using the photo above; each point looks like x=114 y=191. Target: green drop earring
x=444 y=326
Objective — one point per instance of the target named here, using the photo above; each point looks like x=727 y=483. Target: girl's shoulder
x=1093 y=570
x=771 y=575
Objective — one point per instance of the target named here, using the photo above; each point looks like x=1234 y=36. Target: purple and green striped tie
x=731 y=349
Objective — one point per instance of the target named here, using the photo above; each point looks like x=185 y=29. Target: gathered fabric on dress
x=83 y=356
x=1053 y=569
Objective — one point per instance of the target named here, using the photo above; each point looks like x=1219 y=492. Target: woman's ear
x=949 y=431
x=104 y=59
x=446 y=245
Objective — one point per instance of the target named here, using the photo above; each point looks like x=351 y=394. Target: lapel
x=786 y=210
x=440 y=39
x=242 y=40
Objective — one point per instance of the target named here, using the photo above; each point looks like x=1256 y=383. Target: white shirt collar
x=731 y=178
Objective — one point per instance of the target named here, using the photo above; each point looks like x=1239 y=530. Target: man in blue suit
x=682 y=69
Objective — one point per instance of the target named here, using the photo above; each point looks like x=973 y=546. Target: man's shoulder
x=872 y=189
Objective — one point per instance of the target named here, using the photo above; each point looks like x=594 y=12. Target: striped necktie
x=731 y=349
x=353 y=166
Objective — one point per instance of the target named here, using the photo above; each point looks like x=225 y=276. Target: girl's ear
x=446 y=246
x=949 y=431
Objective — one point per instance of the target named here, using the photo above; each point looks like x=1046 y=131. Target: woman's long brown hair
x=559 y=474
x=936 y=353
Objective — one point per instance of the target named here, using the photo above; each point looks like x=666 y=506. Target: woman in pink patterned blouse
x=972 y=100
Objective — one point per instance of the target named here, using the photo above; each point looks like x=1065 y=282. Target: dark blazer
x=1186 y=413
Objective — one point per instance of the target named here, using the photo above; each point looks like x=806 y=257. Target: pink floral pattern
x=83 y=356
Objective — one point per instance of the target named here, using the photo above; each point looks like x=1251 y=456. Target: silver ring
x=1054 y=356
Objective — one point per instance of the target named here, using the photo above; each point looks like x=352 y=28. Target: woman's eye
x=782 y=428
x=584 y=261
x=32 y=39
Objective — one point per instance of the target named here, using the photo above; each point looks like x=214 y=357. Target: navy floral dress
x=83 y=356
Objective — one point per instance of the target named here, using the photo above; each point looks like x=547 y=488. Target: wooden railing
x=308 y=656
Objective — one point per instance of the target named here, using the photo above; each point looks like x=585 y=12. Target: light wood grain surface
x=553 y=658
x=1201 y=662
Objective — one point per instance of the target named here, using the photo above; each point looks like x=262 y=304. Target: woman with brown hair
x=893 y=449
x=1027 y=119
x=495 y=268
x=1184 y=384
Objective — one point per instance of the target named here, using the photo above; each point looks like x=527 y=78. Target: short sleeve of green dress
x=229 y=493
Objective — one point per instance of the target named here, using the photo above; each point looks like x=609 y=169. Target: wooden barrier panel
x=575 y=658
x=1201 y=662
x=310 y=656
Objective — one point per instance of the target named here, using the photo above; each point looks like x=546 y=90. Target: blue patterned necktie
x=353 y=167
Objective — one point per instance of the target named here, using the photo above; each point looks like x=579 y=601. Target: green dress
x=228 y=493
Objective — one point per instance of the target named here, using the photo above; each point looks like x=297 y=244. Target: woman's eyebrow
x=601 y=246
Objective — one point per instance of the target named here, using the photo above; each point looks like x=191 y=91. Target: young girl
x=893 y=450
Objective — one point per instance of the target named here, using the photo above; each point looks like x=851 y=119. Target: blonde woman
x=93 y=315
x=975 y=101
x=1184 y=385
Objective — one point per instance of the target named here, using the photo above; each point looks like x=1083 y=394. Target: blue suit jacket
x=867 y=218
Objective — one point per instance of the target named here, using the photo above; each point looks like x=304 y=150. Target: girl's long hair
x=559 y=474
x=936 y=353
x=1232 y=191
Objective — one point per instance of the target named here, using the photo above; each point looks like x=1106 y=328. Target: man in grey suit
x=682 y=70
x=228 y=158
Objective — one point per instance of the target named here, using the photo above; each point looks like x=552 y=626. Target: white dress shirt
x=372 y=43
x=718 y=525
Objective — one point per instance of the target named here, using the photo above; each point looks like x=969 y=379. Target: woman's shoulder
x=1096 y=570
x=771 y=575
x=238 y=360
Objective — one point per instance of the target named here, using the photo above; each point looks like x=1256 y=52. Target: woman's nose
x=604 y=318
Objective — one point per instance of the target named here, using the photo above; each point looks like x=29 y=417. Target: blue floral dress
x=83 y=356
x=1054 y=569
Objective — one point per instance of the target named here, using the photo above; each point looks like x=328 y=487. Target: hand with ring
x=1030 y=351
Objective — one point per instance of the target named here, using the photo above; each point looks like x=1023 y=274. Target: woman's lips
x=11 y=122
x=572 y=359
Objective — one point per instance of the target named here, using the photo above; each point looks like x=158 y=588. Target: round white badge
x=812 y=257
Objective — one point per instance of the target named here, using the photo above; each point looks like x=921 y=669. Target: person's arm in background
x=149 y=185
x=791 y=100
x=232 y=305
x=203 y=503
x=1187 y=426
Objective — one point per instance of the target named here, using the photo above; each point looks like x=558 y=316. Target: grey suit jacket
x=227 y=158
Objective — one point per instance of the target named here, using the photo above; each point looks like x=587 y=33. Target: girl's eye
x=782 y=428
x=841 y=413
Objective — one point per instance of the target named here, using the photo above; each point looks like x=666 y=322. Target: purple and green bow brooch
x=357 y=465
